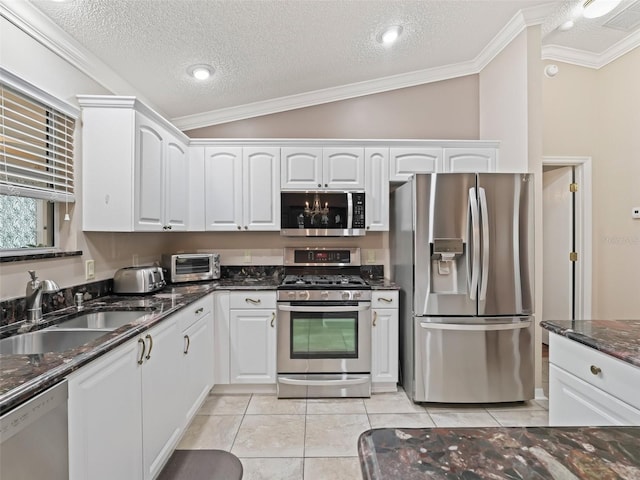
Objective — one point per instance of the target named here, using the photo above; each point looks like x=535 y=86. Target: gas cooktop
x=324 y=281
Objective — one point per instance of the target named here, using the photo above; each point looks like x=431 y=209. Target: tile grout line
x=241 y=421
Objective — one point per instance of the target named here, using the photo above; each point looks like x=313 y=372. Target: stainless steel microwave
x=191 y=267
x=322 y=214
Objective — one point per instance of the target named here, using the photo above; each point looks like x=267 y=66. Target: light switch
x=89 y=270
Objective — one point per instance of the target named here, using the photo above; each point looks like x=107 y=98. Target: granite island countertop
x=532 y=453
x=618 y=338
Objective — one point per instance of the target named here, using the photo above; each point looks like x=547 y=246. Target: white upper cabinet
x=242 y=188
x=377 y=188
x=134 y=169
x=470 y=160
x=313 y=168
x=405 y=161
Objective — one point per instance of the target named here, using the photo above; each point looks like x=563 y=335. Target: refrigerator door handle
x=475 y=254
x=475 y=326
x=484 y=215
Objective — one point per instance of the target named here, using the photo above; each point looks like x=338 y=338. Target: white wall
x=32 y=61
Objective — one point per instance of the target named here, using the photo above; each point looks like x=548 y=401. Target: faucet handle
x=33 y=275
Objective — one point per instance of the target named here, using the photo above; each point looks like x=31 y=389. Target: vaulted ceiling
x=273 y=55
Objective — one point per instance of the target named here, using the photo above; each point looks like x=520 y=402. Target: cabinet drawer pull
x=375 y=317
x=150 y=346
x=200 y=310
x=187 y=344
x=386 y=300
x=595 y=370
x=273 y=318
x=144 y=347
x=253 y=301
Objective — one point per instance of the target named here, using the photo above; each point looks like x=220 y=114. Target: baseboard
x=539 y=394
x=235 y=389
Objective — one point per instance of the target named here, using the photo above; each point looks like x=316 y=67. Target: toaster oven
x=191 y=267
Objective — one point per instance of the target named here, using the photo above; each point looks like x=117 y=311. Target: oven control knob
x=324 y=294
x=304 y=295
x=357 y=295
x=292 y=294
x=345 y=295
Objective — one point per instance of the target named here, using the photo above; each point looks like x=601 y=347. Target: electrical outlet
x=371 y=256
x=247 y=256
x=635 y=212
x=89 y=270
x=135 y=260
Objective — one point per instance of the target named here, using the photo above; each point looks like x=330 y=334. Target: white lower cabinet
x=128 y=409
x=252 y=318
x=587 y=387
x=105 y=418
x=384 y=338
x=197 y=356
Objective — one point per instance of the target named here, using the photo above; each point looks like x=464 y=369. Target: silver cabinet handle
x=200 y=310
x=375 y=317
x=273 y=318
x=595 y=370
x=386 y=300
x=144 y=347
x=188 y=343
x=150 y=346
x=253 y=301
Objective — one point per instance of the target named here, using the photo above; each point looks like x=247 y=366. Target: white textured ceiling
x=271 y=49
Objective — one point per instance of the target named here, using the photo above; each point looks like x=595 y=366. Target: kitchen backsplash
x=14 y=310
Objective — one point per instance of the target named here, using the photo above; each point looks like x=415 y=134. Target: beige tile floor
x=317 y=439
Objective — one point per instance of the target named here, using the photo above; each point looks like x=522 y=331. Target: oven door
x=324 y=349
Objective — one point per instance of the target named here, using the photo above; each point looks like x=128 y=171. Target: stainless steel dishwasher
x=34 y=438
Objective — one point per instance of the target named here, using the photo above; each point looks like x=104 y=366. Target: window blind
x=36 y=148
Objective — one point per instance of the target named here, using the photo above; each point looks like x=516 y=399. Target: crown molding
x=520 y=21
x=588 y=59
x=327 y=95
x=28 y=18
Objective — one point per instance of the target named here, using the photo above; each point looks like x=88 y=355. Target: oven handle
x=309 y=383
x=323 y=309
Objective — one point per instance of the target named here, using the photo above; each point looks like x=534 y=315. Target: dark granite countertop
x=23 y=376
x=618 y=338
x=532 y=453
x=382 y=284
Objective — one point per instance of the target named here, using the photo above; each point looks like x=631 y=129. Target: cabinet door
x=223 y=188
x=301 y=168
x=384 y=334
x=105 y=418
x=148 y=175
x=574 y=402
x=161 y=401
x=253 y=346
x=261 y=188
x=403 y=162
x=467 y=160
x=221 y=337
x=343 y=168
x=197 y=371
x=176 y=178
x=377 y=188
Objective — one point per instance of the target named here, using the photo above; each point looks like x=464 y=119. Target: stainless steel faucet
x=35 y=289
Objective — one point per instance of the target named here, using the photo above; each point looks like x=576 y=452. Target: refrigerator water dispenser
x=446 y=255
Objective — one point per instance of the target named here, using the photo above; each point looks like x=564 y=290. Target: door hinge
x=573 y=187
x=573 y=256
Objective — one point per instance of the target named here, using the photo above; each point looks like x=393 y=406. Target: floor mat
x=202 y=465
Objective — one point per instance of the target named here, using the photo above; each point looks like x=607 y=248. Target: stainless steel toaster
x=137 y=280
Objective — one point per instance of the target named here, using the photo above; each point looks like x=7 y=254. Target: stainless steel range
x=324 y=325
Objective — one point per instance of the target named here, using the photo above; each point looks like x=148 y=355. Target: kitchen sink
x=107 y=320
x=48 y=340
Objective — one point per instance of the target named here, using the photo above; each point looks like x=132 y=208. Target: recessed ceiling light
x=390 y=35
x=598 y=8
x=568 y=25
x=200 y=72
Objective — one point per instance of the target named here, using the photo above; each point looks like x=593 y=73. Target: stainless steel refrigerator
x=462 y=253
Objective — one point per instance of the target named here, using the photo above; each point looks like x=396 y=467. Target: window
x=36 y=162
